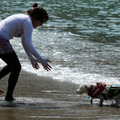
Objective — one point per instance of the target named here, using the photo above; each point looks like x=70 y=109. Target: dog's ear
x=86 y=86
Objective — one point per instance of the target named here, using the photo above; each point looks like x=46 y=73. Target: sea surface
x=81 y=38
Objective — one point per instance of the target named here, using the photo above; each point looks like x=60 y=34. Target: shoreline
x=42 y=98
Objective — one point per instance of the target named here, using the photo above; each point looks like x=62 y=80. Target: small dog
x=101 y=91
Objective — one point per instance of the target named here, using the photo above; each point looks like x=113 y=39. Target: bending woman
x=20 y=25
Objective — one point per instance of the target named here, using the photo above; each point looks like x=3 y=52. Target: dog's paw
x=100 y=105
x=115 y=105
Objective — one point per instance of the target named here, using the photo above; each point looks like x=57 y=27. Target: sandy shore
x=42 y=98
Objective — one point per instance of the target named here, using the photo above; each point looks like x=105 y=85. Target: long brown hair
x=38 y=13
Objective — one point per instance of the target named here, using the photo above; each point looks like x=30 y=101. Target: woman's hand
x=47 y=67
x=36 y=66
x=35 y=63
x=45 y=64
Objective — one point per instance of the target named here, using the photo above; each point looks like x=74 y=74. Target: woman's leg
x=13 y=67
x=5 y=70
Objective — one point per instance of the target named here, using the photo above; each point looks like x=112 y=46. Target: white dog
x=101 y=91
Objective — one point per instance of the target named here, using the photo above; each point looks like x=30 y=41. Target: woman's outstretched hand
x=35 y=63
x=44 y=63
x=47 y=67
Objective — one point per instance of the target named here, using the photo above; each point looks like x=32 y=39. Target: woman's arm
x=34 y=62
x=29 y=48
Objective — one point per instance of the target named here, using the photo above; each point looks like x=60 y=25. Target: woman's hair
x=38 y=13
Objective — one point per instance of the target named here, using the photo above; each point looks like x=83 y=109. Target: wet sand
x=41 y=98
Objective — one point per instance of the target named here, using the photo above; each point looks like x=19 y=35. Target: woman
x=20 y=25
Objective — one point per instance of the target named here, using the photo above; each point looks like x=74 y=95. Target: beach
x=82 y=39
x=42 y=98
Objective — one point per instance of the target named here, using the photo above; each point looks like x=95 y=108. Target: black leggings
x=13 y=67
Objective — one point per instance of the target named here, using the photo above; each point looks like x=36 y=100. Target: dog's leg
x=91 y=101
x=117 y=100
x=101 y=101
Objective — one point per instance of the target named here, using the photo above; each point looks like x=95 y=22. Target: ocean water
x=82 y=39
